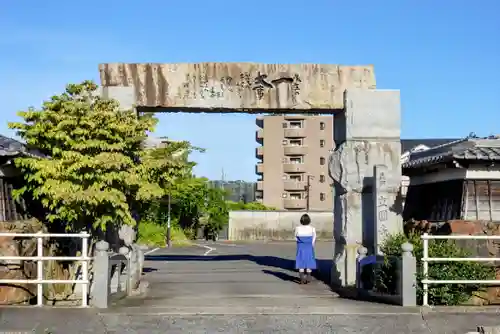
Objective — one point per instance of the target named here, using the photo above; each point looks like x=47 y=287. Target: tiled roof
x=408 y=144
x=467 y=149
x=11 y=147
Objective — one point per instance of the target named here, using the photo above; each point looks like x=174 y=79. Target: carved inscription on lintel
x=200 y=87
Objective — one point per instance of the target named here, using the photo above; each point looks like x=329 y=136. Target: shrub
x=152 y=234
x=439 y=294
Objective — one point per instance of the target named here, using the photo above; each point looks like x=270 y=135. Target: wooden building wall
x=481 y=200
x=454 y=199
x=9 y=209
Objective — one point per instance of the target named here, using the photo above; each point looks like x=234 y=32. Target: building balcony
x=259 y=136
x=295 y=150
x=294 y=168
x=259 y=121
x=296 y=204
x=293 y=117
x=259 y=152
x=260 y=185
x=294 y=133
x=259 y=168
x=294 y=185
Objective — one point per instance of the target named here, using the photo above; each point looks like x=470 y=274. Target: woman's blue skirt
x=305 y=258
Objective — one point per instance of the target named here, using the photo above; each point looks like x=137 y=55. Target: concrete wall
x=276 y=225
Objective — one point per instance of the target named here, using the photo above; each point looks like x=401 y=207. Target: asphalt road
x=245 y=288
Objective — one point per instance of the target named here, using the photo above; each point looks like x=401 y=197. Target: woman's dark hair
x=305 y=219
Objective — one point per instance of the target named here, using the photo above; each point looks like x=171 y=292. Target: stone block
x=124 y=95
x=239 y=87
x=351 y=164
x=465 y=227
x=370 y=114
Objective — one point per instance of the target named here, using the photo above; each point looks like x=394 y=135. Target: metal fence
x=426 y=260
x=40 y=258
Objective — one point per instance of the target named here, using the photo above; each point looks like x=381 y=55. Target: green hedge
x=439 y=294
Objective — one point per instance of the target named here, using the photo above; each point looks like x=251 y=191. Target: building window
x=296 y=160
x=296 y=178
x=322 y=196
x=321 y=143
x=285 y=125
x=295 y=142
x=296 y=196
x=322 y=161
x=295 y=125
x=322 y=178
x=322 y=125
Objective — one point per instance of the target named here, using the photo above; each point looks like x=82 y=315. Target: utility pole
x=308 y=190
x=169 y=225
x=222 y=185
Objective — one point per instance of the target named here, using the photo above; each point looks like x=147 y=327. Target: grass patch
x=154 y=235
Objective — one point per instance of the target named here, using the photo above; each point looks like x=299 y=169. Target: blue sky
x=443 y=55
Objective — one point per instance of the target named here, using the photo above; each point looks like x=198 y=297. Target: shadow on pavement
x=322 y=273
x=281 y=275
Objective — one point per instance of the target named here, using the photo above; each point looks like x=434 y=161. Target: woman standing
x=305 y=260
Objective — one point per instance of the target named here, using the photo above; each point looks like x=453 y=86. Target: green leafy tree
x=96 y=170
x=194 y=203
x=197 y=204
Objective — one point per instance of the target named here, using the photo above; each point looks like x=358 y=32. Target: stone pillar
x=124 y=95
x=362 y=251
x=366 y=133
x=407 y=284
x=100 y=289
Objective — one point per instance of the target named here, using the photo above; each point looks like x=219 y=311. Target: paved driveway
x=252 y=288
x=198 y=278
x=245 y=288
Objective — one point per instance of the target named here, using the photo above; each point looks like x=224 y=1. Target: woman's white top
x=305 y=231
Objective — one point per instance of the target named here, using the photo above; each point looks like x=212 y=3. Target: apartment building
x=293 y=166
x=237 y=191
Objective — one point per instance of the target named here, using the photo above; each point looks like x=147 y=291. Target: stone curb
x=461 y=309
x=254 y=310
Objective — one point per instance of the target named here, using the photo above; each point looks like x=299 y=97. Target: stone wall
x=276 y=225
x=14 y=294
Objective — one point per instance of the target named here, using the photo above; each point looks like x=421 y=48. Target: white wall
x=275 y=225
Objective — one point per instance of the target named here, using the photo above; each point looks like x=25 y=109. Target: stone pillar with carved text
x=387 y=210
x=366 y=133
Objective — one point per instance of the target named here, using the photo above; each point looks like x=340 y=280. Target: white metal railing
x=426 y=259
x=39 y=281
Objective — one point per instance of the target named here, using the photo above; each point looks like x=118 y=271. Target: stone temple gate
x=366 y=159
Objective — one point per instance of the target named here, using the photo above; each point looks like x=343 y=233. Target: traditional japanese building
x=458 y=180
x=10 y=210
